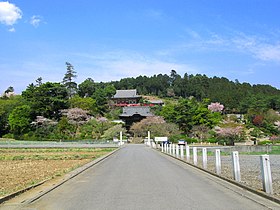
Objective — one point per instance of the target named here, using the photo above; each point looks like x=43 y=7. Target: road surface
x=137 y=177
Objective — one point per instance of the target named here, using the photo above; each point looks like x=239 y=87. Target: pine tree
x=68 y=80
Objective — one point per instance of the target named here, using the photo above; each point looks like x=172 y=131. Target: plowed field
x=20 y=168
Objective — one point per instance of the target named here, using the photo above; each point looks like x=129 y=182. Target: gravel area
x=249 y=169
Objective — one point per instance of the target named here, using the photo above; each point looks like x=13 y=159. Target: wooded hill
x=237 y=97
x=67 y=110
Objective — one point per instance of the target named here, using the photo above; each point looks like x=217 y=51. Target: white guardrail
x=190 y=154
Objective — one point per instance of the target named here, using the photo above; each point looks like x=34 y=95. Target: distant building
x=126 y=98
x=156 y=102
x=134 y=114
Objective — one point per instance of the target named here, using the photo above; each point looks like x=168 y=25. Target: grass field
x=21 y=168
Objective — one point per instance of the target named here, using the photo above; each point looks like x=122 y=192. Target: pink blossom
x=102 y=119
x=216 y=107
x=230 y=131
x=40 y=120
x=76 y=115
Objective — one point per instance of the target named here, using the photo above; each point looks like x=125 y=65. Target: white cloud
x=9 y=13
x=154 y=14
x=119 y=64
x=192 y=33
x=262 y=48
x=133 y=68
x=12 y=29
x=259 y=48
x=35 y=20
x=269 y=53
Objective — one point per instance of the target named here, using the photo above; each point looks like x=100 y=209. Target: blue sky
x=112 y=39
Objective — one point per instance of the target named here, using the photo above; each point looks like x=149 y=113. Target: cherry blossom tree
x=76 y=116
x=216 y=107
x=42 y=121
x=156 y=125
x=231 y=134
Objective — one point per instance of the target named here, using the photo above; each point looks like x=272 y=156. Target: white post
x=177 y=150
x=121 y=142
x=218 y=161
x=149 y=138
x=182 y=151
x=170 y=149
x=165 y=147
x=161 y=146
x=173 y=149
x=266 y=174
x=236 y=166
x=195 y=156
x=188 y=153
x=204 y=158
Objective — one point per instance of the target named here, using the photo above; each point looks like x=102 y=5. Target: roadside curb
x=257 y=192
x=10 y=196
x=66 y=178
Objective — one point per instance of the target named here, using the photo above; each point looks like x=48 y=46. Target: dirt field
x=21 y=168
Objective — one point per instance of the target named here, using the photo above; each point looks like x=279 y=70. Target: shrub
x=212 y=140
x=8 y=136
x=191 y=140
x=264 y=142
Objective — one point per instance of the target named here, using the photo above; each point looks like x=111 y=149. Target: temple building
x=134 y=114
x=126 y=98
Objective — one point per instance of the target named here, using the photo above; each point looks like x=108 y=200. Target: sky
x=107 y=40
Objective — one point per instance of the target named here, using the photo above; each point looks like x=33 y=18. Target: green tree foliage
x=86 y=88
x=46 y=100
x=6 y=107
x=43 y=129
x=95 y=128
x=186 y=105
x=19 y=120
x=235 y=96
x=263 y=120
x=88 y=104
x=102 y=95
x=189 y=112
x=65 y=130
x=39 y=81
x=114 y=132
x=68 y=79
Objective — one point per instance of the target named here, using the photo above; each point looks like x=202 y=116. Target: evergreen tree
x=68 y=79
x=39 y=81
x=86 y=88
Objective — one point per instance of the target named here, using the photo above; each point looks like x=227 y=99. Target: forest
x=197 y=108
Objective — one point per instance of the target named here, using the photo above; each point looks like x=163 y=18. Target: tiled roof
x=156 y=101
x=126 y=94
x=141 y=110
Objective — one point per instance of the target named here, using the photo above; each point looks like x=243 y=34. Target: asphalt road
x=137 y=177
